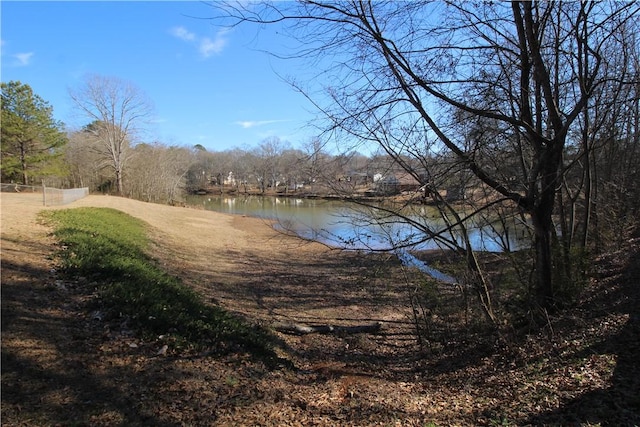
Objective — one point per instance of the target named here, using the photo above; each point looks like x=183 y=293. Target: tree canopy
x=31 y=137
x=118 y=111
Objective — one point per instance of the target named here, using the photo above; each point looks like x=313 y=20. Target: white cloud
x=183 y=34
x=206 y=46
x=247 y=124
x=23 y=59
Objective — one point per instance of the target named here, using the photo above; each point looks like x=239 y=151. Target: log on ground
x=299 y=329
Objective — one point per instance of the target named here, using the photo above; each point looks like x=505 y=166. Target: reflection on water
x=411 y=261
x=343 y=224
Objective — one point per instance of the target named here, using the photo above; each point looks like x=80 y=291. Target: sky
x=209 y=85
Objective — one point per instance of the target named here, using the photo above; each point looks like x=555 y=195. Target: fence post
x=44 y=194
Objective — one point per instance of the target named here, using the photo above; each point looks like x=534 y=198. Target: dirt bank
x=54 y=349
x=62 y=365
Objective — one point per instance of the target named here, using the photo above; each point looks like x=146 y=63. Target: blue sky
x=210 y=86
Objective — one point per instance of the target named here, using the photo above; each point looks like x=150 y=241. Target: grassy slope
x=109 y=247
x=580 y=370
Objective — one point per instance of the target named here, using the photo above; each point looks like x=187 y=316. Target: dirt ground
x=237 y=262
x=62 y=365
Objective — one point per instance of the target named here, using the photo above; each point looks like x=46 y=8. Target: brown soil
x=61 y=365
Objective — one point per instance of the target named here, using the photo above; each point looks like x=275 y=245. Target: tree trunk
x=119 y=182
x=23 y=161
x=544 y=261
x=542 y=219
x=25 y=178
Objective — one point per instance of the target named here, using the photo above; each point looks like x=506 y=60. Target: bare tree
x=517 y=75
x=268 y=170
x=87 y=168
x=241 y=163
x=117 y=111
x=315 y=165
x=158 y=173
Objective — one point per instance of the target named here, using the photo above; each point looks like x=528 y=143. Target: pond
x=348 y=225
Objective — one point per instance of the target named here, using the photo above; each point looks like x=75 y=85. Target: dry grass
x=63 y=365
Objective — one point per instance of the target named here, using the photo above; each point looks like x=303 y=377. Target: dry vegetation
x=62 y=364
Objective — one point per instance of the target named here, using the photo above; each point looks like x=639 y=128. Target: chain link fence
x=50 y=196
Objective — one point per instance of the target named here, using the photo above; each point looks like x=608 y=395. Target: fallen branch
x=297 y=329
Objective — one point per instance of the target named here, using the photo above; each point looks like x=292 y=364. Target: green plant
x=110 y=247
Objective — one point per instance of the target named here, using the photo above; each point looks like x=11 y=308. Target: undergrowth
x=109 y=247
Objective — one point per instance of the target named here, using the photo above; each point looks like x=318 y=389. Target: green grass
x=109 y=247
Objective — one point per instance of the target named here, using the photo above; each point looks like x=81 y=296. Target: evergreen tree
x=31 y=137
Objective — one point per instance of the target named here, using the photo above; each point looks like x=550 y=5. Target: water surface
x=347 y=225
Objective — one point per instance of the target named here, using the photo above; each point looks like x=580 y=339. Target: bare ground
x=61 y=365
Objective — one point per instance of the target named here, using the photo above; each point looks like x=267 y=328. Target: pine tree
x=31 y=137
